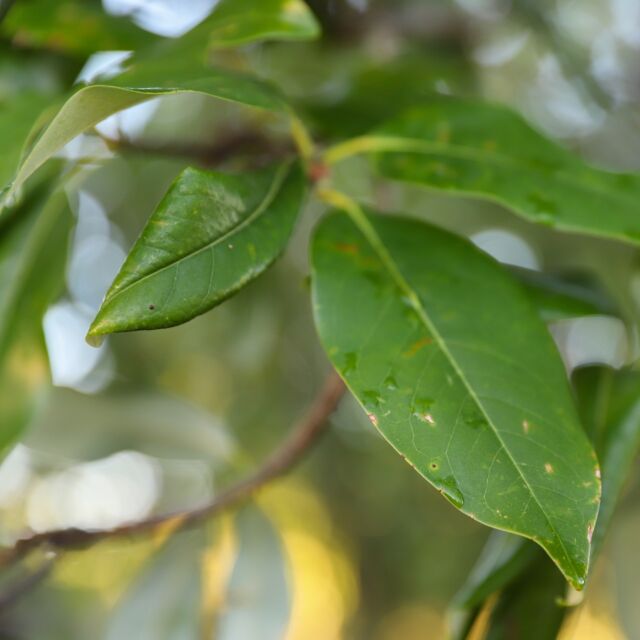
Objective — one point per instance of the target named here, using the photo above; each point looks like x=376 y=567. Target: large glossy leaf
x=488 y=151
x=211 y=234
x=174 y=68
x=239 y=21
x=453 y=366
x=32 y=259
x=611 y=414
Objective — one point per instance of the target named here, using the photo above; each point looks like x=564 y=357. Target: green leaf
x=363 y=103
x=612 y=400
x=155 y=606
x=487 y=151
x=532 y=608
x=210 y=236
x=32 y=261
x=178 y=67
x=503 y=558
x=17 y=116
x=258 y=594
x=82 y=27
x=454 y=367
x=75 y=26
x=611 y=413
x=240 y=21
x=560 y=299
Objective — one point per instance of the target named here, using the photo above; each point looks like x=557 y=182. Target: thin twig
x=303 y=436
x=247 y=142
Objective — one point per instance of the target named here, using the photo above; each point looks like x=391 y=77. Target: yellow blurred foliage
x=412 y=621
x=323 y=581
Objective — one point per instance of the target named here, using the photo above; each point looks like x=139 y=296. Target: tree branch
x=247 y=143
x=302 y=437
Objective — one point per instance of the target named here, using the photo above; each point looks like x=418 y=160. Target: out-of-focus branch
x=419 y=21
x=248 y=143
x=303 y=436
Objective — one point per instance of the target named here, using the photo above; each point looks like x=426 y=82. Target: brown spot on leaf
x=416 y=346
x=348 y=248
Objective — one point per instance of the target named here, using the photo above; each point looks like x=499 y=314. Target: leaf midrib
x=406 y=144
x=274 y=188
x=368 y=230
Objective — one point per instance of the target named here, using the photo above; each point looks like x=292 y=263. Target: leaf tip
x=96 y=334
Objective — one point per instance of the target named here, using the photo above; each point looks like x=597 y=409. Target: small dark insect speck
x=152 y=307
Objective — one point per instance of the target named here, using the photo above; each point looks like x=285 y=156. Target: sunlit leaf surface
x=239 y=21
x=437 y=343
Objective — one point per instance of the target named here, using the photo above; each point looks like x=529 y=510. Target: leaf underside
x=211 y=235
x=177 y=68
x=453 y=366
